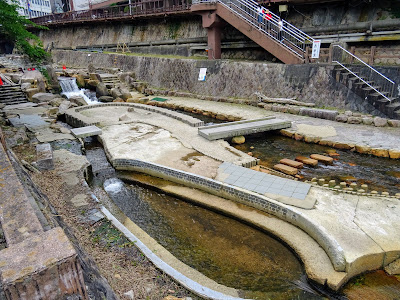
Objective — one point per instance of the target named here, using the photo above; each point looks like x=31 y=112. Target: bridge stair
x=281 y=39
x=110 y=80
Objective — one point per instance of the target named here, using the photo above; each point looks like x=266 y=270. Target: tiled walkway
x=262 y=183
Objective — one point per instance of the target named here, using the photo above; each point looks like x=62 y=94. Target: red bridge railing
x=127 y=11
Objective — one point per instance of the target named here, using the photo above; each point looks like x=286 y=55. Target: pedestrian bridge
x=231 y=129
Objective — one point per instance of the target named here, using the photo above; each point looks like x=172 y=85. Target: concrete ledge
x=76 y=119
x=42 y=267
x=36 y=264
x=17 y=216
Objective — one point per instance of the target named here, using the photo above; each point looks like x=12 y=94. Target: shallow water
x=381 y=174
x=221 y=248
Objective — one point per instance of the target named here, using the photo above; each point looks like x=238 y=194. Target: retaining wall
x=308 y=83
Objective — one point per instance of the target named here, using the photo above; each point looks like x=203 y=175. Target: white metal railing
x=364 y=72
x=285 y=33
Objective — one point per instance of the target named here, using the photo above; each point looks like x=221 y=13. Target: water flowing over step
x=11 y=95
x=280 y=38
x=246 y=127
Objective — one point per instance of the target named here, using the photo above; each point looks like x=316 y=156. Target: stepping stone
x=286 y=169
x=82 y=132
x=307 y=160
x=323 y=158
x=291 y=163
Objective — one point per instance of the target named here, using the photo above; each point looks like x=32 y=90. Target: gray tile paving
x=263 y=183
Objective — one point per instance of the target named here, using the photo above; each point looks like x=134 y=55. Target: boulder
x=92 y=84
x=64 y=106
x=95 y=76
x=395 y=154
x=354 y=120
x=341 y=118
x=380 y=152
x=25 y=86
x=41 y=85
x=43 y=97
x=80 y=80
x=101 y=90
x=363 y=149
x=52 y=112
x=125 y=94
x=56 y=101
x=367 y=120
x=28 y=80
x=124 y=117
x=105 y=99
x=15 y=77
x=380 y=122
x=78 y=100
x=118 y=100
x=348 y=113
x=238 y=139
x=116 y=93
x=394 y=123
x=31 y=92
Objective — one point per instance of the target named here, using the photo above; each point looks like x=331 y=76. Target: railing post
x=330 y=54
x=307 y=55
x=372 y=55
x=352 y=51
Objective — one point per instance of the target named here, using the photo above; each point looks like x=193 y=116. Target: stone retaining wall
x=307 y=83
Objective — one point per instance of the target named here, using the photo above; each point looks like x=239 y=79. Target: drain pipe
x=373 y=25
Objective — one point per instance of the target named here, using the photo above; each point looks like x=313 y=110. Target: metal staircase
x=366 y=82
x=285 y=41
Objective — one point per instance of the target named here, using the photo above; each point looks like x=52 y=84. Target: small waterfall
x=70 y=89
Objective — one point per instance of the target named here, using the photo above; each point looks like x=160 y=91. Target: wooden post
x=330 y=54
x=352 y=51
x=372 y=55
x=307 y=55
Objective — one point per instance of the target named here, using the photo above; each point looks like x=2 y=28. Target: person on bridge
x=280 y=28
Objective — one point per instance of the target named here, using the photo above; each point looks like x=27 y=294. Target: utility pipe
x=380 y=24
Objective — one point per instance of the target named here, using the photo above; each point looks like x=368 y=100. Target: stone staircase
x=110 y=80
x=9 y=64
x=12 y=94
x=390 y=107
x=278 y=37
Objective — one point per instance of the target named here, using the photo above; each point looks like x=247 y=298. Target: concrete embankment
x=338 y=221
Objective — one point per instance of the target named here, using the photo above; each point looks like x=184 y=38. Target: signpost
x=315 y=48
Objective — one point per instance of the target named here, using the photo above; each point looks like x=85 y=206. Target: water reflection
x=223 y=249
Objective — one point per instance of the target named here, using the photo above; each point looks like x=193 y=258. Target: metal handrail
x=288 y=35
x=387 y=85
x=135 y=9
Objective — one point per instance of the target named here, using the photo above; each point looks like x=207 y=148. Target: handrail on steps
x=374 y=75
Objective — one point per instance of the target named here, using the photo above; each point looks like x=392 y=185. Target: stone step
x=323 y=158
x=291 y=163
x=307 y=160
x=286 y=169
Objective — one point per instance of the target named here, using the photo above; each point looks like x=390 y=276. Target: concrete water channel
x=317 y=267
